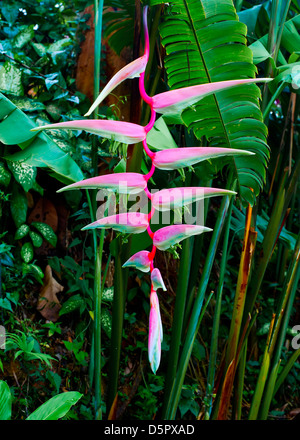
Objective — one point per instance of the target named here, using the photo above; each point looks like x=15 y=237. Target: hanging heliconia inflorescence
x=171 y=102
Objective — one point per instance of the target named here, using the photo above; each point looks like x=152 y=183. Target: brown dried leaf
x=45 y=212
x=48 y=304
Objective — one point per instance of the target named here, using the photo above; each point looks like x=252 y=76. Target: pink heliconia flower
x=155 y=332
x=122 y=182
x=170 y=235
x=127 y=222
x=157 y=280
x=174 y=101
x=171 y=198
x=120 y=131
x=174 y=158
x=140 y=261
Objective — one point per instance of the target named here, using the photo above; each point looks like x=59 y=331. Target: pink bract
x=140 y=261
x=120 y=131
x=127 y=222
x=122 y=182
x=174 y=101
x=174 y=158
x=166 y=237
x=155 y=332
x=171 y=198
x=157 y=280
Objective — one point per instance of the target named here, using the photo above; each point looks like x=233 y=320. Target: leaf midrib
x=209 y=78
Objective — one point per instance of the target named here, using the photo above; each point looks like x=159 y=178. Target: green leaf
x=37 y=240
x=24 y=36
x=5 y=401
x=18 y=205
x=35 y=270
x=56 y=407
x=21 y=232
x=24 y=174
x=38 y=150
x=209 y=44
x=5 y=175
x=27 y=252
x=73 y=303
x=11 y=79
x=26 y=104
x=119 y=24
x=5 y=304
x=10 y=12
x=159 y=137
x=46 y=231
x=106 y=322
x=108 y=294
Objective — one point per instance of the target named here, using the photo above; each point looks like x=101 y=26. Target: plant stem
x=181 y=292
x=97 y=330
x=216 y=321
x=194 y=320
x=117 y=328
x=98 y=8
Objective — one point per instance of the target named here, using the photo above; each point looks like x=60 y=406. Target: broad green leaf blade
x=18 y=205
x=56 y=407
x=11 y=79
x=46 y=231
x=73 y=303
x=21 y=232
x=24 y=174
x=159 y=137
x=120 y=131
x=5 y=401
x=205 y=38
x=27 y=252
x=38 y=150
x=36 y=239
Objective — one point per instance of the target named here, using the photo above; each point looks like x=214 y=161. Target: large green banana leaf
x=205 y=42
x=37 y=150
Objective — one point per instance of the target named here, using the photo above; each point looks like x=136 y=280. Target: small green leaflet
x=46 y=231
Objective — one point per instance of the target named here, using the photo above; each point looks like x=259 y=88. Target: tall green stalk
x=117 y=328
x=183 y=279
x=98 y=9
x=195 y=321
x=216 y=322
